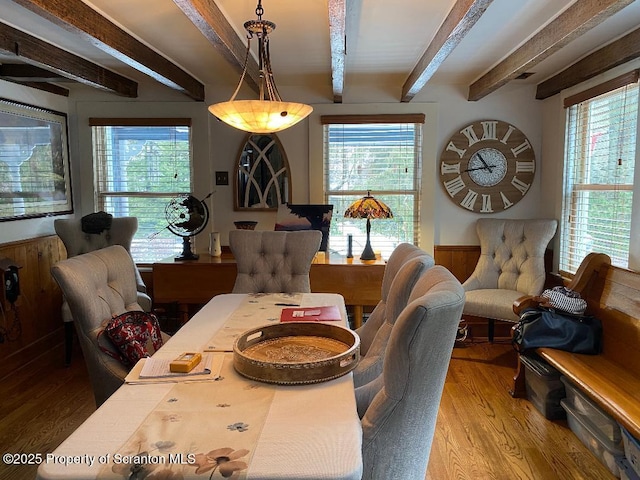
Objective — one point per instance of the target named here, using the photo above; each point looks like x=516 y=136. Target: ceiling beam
x=22 y=72
x=338 y=40
x=566 y=27
x=36 y=52
x=211 y=22
x=462 y=17
x=77 y=17
x=616 y=53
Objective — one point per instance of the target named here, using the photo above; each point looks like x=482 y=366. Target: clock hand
x=488 y=167
x=485 y=163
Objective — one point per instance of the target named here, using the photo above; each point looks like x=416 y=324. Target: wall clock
x=487 y=167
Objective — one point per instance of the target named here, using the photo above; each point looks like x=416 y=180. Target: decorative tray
x=296 y=353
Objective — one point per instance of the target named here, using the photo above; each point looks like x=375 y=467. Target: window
x=380 y=154
x=140 y=165
x=600 y=154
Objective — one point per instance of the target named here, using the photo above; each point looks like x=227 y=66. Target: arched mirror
x=262 y=180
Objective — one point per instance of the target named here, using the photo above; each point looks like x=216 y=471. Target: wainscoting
x=37 y=308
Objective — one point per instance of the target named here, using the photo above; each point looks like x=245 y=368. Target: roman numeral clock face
x=487 y=167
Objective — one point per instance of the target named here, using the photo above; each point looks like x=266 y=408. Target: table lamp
x=368 y=207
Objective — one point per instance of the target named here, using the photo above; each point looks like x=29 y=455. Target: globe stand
x=187 y=254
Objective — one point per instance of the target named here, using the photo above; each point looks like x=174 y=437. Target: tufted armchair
x=273 y=262
x=395 y=300
x=400 y=407
x=78 y=242
x=97 y=285
x=511 y=265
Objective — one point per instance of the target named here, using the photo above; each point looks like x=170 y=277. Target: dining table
x=214 y=422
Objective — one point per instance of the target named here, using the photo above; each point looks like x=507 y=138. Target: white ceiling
x=385 y=39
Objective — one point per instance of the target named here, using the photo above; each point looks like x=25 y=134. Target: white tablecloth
x=310 y=431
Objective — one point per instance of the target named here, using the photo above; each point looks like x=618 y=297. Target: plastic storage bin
x=544 y=388
x=631 y=450
x=582 y=405
x=607 y=452
x=626 y=471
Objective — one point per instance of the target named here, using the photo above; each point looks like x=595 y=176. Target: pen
x=287 y=304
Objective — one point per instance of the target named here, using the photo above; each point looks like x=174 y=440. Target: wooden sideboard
x=195 y=282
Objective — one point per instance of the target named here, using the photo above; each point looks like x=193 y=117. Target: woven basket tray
x=296 y=353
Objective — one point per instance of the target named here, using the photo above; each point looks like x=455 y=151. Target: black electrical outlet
x=222 y=178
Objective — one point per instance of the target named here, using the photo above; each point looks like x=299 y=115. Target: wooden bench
x=611 y=379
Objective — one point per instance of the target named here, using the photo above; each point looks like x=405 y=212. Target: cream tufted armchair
x=511 y=265
x=78 y=242
x=273 y=262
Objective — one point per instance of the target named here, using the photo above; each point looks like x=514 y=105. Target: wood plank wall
x=460 y=260
x=37 y=307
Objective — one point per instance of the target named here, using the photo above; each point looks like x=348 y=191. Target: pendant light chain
x=269 y=113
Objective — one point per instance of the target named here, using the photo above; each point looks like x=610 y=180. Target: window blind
x=385 y=159
x=139 y=168
x=599 y=171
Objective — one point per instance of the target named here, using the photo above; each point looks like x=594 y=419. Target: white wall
x=216 y=147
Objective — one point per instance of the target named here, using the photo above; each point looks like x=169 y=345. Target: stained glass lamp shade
x=368 y=207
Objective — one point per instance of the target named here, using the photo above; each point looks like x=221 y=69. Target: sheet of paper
x=156 y=370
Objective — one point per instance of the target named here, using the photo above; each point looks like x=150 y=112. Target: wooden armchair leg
x=519 y=388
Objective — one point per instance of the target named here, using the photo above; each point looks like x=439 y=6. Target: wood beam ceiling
x=36 y=52
x=569 y=25
x=338 y=39
x=616 y=53
x=34 y=77
x=77 y=17
x=462 y=17
x=208 y=18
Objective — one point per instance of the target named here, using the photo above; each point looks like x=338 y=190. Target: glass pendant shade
x=260 y=116
x=268 y=114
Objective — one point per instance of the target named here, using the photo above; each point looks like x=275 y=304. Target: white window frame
x=147 y=246
x=338 y=239
x=574 y=241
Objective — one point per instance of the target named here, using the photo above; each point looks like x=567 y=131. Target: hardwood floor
x=482 y=433
x=41 y=405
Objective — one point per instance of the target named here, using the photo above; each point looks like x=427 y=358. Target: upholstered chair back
x=400 y=255
x=273 y=261
x=370 y=365
x=399 y=421
x=97 y=285
x=78 y=242
x=512 y=254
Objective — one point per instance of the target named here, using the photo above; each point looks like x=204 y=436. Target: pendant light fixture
x=269 y=113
